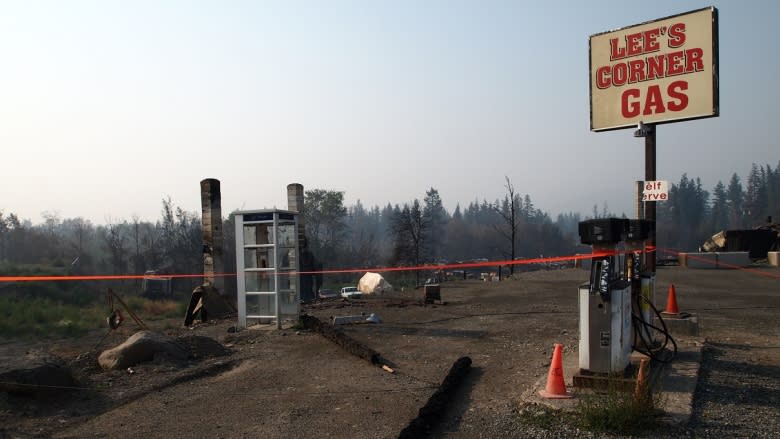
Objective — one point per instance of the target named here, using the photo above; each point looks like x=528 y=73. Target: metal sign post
x=648 y=132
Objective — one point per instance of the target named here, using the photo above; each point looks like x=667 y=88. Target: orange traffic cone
x=671 y=302
x=556 y=388
x=640 y=390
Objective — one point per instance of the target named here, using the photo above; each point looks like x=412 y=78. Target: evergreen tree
x=720 y=209
x=409 y=229
x=734 y=197
x=436 y=217
x=456 y=215
x=755 y=204
x=773 y=192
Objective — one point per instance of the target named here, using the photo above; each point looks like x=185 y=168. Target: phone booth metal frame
x=267 y=266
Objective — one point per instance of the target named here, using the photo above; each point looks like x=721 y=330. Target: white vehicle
x=350 y=293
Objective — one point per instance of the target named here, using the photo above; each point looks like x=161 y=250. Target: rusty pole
x=650 y=205
x=639 y=212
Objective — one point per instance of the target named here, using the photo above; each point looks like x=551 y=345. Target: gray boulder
x=35 y=372
x=141 y=347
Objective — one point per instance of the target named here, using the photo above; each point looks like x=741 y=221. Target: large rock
x=35 y=372
x=141 y=347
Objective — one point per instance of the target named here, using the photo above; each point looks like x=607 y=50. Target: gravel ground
x=286 y=384
x=737 y=395
x=738 y=390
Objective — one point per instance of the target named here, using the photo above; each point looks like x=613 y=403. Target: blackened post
x=307 y=288
x=650 y=205
x=211 y=207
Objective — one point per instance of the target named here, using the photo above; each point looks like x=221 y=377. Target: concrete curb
x=678 y=382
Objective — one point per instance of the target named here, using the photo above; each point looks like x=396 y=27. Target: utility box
x=155 y=286
x=267 y=266
x=431 y=293
x=773 y=259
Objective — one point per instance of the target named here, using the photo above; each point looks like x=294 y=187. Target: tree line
x=418 y=231
x=694 y=214
x=76 y=246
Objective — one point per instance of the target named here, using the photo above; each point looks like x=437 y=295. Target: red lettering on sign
x=634 y=44
x=655 y=67
x=636 y=71
x=602 y=77
x=650 y=68
x=675 y=92
x=630 y=109
x=651 y=40
x=619 y=74
x=654 y=197
x=616 y=52
x=675 y=64
x=693 y=61
x=676 y=35
x=655 y=101
x=654 y=104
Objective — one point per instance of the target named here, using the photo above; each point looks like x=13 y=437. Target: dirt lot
x=297 y=384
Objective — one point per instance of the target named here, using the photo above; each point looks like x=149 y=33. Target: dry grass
x=163 y=308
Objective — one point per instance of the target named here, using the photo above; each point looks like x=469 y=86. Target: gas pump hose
x=641 y=329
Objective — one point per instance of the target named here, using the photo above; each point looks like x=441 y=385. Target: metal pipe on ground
x=346 y=342
x=434 y=409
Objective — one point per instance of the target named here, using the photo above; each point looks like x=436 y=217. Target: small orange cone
x=671 y=302
x=640 y=390
x=556 y=388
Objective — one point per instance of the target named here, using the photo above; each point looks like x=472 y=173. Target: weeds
x=156 y=309
x=617 y=411
x=614 y=411
x=20 y=318
x=38 y=317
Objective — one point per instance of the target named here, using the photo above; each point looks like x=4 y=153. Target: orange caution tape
x=648 y=249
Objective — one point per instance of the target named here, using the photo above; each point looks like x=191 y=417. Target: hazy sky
x=106 y=107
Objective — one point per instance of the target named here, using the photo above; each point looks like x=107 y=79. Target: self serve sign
x=655 y=191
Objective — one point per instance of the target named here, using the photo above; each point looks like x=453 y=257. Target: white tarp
x=373 y=283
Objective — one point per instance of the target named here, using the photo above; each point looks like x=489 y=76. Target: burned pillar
x=211 y=204
x=295 y=203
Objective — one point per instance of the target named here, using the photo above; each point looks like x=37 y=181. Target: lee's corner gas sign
x=661 y=71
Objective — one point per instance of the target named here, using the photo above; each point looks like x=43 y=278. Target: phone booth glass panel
x=267 y=260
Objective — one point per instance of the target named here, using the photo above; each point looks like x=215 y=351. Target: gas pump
x=642 y=284
x=605 y=301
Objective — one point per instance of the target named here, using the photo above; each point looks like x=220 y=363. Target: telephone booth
x=267 y=266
